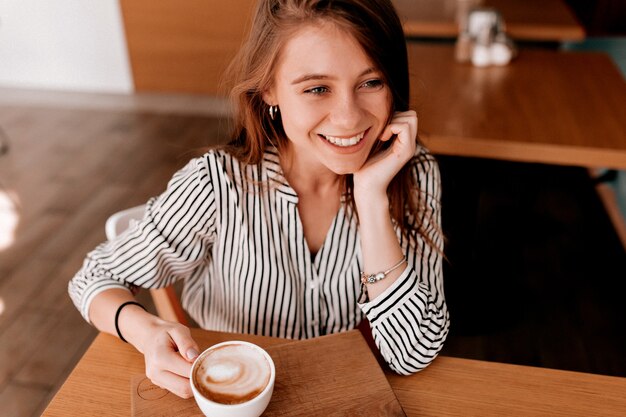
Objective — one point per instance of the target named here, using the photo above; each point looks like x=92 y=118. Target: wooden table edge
x=527 y=152
x=404 y=387
x=517 y=31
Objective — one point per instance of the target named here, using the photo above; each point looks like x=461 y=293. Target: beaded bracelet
x=372 y=278
x=117 y=316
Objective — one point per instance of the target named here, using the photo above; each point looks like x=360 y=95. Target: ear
x=269 y=97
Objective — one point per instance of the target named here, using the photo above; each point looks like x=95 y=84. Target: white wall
x=75 y=45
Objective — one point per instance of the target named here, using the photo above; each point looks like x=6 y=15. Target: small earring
x=273 y=112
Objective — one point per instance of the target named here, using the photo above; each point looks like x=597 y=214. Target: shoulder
x=217 y=156
x=207 y=168
x=218 y=163
x=224 y=169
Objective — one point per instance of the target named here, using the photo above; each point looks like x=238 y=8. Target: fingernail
x=192 y=354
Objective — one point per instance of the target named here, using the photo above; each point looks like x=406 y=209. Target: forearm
x=133 y=320
x=379 y=243
x=410 y=321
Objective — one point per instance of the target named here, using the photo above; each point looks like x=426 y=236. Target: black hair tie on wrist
x=117 y=316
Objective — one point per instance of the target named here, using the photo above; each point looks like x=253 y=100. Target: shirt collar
x=276 y=179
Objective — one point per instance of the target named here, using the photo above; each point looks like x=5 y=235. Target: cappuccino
x=232 y=373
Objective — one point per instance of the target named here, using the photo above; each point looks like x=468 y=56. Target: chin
x=345 y=169
x=348 y=164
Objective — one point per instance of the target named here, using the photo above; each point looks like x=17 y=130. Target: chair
x=165 y=299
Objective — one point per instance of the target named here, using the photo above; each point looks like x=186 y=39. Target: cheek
x=300 y=119
x=297 y=131
x=382 y=115
x=388 y=112
x=380 y=105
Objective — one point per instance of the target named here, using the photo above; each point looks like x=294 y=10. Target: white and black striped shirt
x=233 y=234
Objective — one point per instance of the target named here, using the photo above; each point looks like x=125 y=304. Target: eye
x=317 y=90
x=373 y=84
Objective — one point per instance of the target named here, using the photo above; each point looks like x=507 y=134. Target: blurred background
x=101 y=102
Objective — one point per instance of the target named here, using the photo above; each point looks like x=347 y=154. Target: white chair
x=165 y=299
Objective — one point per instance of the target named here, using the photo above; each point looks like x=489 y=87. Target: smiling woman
x=322 y=211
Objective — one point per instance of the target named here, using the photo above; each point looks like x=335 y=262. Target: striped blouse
x=233 y=234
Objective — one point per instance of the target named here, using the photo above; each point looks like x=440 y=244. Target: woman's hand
x=378 y=171
x=167 y=347
x=169 y=352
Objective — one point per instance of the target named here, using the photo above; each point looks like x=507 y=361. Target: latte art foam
x=232 y=374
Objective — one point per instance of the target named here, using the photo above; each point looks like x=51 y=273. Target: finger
x=401 y=129
x=385 y=136
x=409 y=117
x=387 y=133
x=174 y=383
x=408 y=113
x=166 y=357
x=187 y=347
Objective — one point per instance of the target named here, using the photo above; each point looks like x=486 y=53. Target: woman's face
x=333 y=101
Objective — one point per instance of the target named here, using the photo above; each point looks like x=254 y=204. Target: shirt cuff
x=95 y=289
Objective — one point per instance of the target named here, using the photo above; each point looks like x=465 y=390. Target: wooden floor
x=530 y=282
x=68 y=170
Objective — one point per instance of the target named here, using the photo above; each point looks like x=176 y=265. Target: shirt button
x=312 y=286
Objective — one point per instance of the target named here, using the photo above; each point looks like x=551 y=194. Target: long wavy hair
x=376 y=27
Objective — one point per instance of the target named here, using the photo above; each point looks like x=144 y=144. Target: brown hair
x=376 y=27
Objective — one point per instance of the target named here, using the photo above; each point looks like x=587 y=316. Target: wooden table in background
x=563 y=108
x=548 y=20
x=99 y=385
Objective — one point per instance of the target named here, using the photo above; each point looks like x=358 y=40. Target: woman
x=321 y=210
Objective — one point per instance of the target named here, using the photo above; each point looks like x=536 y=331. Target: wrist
x=371 y=204
x=368 y=189
x=135 y=324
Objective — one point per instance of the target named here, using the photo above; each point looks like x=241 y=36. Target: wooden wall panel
x=183 y=46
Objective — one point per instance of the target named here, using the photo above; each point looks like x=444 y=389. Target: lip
x=346 y=149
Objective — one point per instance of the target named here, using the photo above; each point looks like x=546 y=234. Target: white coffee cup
x=233 y=379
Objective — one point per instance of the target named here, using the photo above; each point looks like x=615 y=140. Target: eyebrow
x=308 y=77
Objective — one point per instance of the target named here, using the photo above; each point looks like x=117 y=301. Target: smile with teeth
x=343 y=142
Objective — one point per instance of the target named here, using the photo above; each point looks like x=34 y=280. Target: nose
x=346 y=112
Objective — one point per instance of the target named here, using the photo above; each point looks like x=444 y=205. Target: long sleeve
x=410 y=320
x=167 y=245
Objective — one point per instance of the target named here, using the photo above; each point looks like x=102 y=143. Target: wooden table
x=565 y=108
x=99 y=385
x=549 y=20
